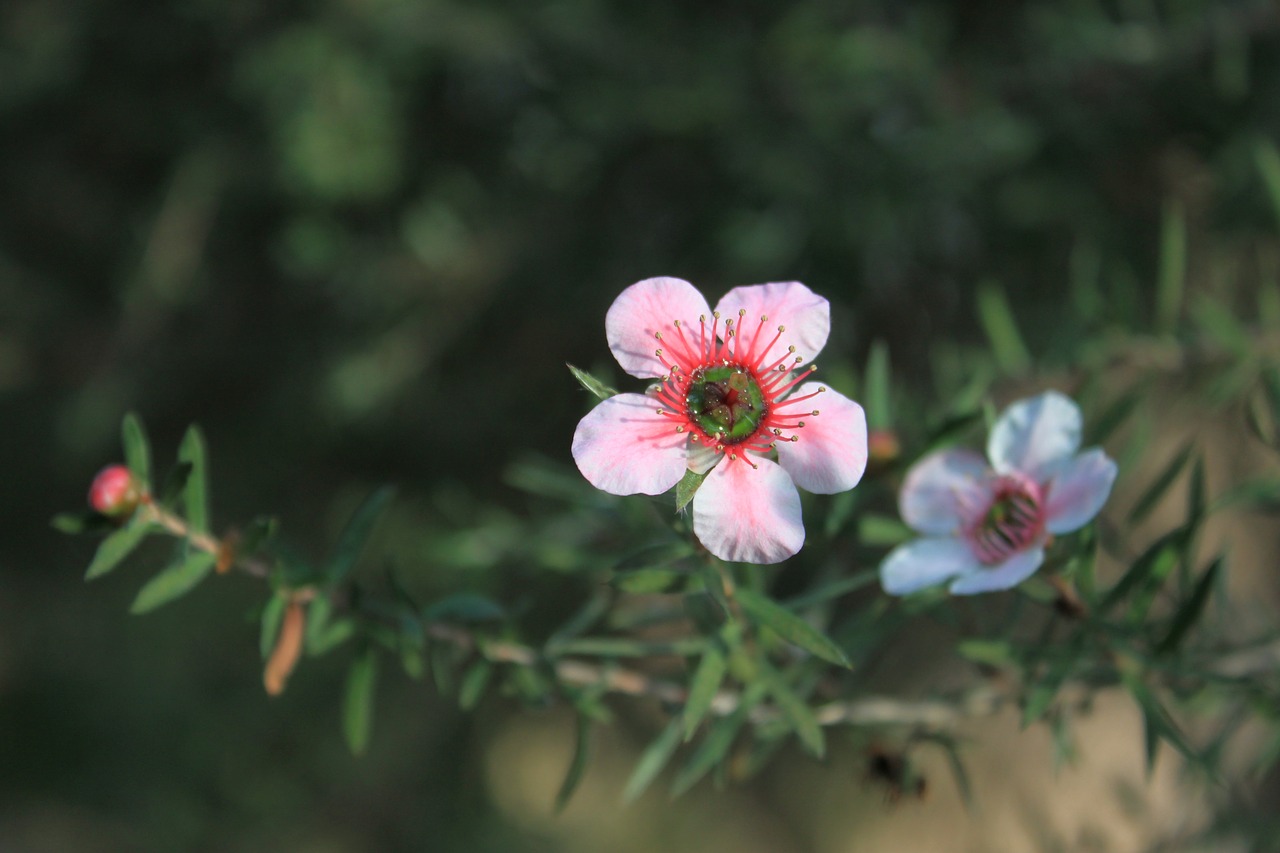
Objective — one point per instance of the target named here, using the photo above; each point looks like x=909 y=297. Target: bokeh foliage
x=357 y=242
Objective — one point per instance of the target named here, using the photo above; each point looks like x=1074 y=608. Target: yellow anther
x=715 y=314
x=815 y=413
x=742 y=312
x=733 y=456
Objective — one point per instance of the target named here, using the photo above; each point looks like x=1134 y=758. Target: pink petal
x=830 y=452
x=1035 y=435
x=924 y=562
x=1078 y=490
x=1010 y=573
x=806 y=315
x=748 y=515
x=624 y=447
x=944 y=491
x=647 y=307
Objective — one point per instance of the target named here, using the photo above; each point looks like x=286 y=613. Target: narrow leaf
x=1160 y=485
x=473 y=685
x=881 y=530
x=655 y=757
x=1268 y=159
x=703 y=687
x=347 y=552
x=272 y=613
x=687 y=488
x=595 y=386
x=196 y=494
x=646 y=581
x=878 y=383
x=137 y=452
x=1041 y=694
x=994 y=653
x=173 y=582
x=797 y=712
x=117 y=546
x=1168 y=545
x=87 y=521
x=1002 y=330
x=1172 y=280
x=1189 y=613
x=790 y=627
x=464 y=607
x=174 y=483
x=1113 y=417
x=357 y=704
x=834 y=589
x=577 y=766
x=715 y=746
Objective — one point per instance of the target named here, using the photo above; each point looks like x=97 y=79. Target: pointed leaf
x=196 y=494
x=86 y=521
x=173 y=582
x=464 y=607
x=595 y=386
x=1171 y=283
x=797 y=712
x=878 y=382
x=719 y=738
x=476 y=679
x=137 y=452
x=1160 y=485
x=1002 y=330
x=687 y=488
x=790 y=627
x=703 y=687
x=117 y=546
x=347 y=552
x=577 y=766
x=655 y=757
x=357 y=703
x=272 y=614
x=174 y=483
x=1189 y=613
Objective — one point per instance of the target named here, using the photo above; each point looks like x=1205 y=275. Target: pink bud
x=114 y=491
x=883 y=446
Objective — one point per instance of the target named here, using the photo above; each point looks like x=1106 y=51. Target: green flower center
x=726 y=403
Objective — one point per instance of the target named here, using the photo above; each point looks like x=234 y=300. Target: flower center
x=1013 y=522
x=725 y=402
x=729 y=390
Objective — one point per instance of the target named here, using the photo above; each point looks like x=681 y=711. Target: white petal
x=924 y=562
x=806 y=315
x=1010 y=573
x=625 y=447
x=1078 y=490
x=748 y=515
x=647 y=307
x=945 y=491
x=1035 y=435
x=702 y=457
x=830 y=450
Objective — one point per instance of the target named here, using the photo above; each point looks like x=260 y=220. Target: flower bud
x=883 y=447
x=115 y=492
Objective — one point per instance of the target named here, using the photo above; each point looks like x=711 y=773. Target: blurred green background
x=357 y=240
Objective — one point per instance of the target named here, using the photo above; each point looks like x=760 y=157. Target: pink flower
x=731 y=399
x=986 y=526
x=114 y=491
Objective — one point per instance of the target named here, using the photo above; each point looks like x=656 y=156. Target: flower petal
x=748 y=515
x=647 y=307
x=624 y=447
x=1035 y=435
x=702 y=457
x=1010 y=573
x=806 y=316
x=1078 y=490
x=924 y=562
x=830 y=453
x=944 y=491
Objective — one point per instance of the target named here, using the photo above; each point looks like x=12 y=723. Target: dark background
x=357 y=240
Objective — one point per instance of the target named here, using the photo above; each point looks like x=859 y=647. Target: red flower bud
x=114 y=491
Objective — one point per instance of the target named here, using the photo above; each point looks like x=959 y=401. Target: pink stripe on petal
x=1078 y=490
x=923 y=563
x=647 y=307
x=748 y=515
x=830 y=450
x=1035 y=435
x=1010 y=573
x=625 y=447
x=945 y=491
x=806 y=315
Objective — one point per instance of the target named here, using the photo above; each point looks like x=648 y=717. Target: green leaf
x=174 y=482
x=687 y=488
x=703 y=687
x=878 y=530
x=995 y=653
x=646 y=581
x=713 y=748
x=655 y=757
x=835 y=589
x=272 y=614
x=86 y=521
x=1113 y=417
x=473 y=685
x=357 y=703
x=952 y=428
x=347 y=552
x=1268 y=160
x=1157 y=724
x=173 y=582
x=796 y=710
x=137 y=452
x=196 y=494
x=997 y=321
x=878 y=383
x=1172 y=280
x=1041 y=694
x=1263 y=494
x=790 y=627
x=258 y=534
x=595 y=386
x=464 y=607
x=1160 y=485
x=581 y=756
x=1191 y=609
x=117 y=546
x=1157 y=555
